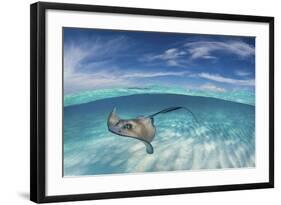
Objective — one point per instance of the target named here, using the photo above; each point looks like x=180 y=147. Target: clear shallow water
x=223 y=138
x=242 y=96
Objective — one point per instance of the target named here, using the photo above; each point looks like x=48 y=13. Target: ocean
x=223 y=137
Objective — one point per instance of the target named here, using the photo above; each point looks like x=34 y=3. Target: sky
x=98 y=59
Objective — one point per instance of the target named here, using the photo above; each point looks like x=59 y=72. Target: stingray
x=140 y=128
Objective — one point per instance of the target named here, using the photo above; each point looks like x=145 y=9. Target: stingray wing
x=149 y=147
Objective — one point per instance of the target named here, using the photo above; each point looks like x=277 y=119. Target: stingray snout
x=113 y=118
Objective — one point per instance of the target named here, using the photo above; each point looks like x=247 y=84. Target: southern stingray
x=140 y=128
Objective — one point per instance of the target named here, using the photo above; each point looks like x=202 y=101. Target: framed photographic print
x=129 y=102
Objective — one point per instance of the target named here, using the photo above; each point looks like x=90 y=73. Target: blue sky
x=97 y=59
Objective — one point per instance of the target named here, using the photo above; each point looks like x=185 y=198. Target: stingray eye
x=128 y=126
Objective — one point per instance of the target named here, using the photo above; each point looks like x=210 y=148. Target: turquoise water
x=223 y=138
x=242 y=96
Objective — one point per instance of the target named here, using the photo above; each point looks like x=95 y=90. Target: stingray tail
x=184 y=108
x=173 y=109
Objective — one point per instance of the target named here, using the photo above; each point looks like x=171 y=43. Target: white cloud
x=75 y=77
x=171 y=56
x=83 y=81
x=206 y=49
x=242 y=73
x=102 y=73
x=221 y=79
x=151 y=74
x=211 y=87
x=109 y=78
x=97 y=49
x=173 y=63
x=72 y=57
x=177 y=57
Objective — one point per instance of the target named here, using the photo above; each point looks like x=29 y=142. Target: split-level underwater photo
x=139 y=101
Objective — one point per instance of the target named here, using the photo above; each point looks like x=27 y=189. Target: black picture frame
x=38 y=101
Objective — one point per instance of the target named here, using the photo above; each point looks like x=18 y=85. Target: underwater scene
x=138 y=102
